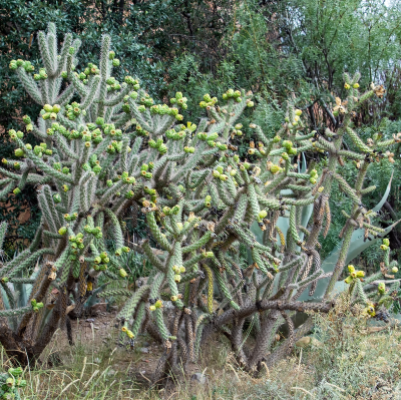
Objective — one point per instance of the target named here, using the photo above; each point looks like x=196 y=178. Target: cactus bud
x=62 y=230
x=274 y=169
x=17 y=191
x=19 y=152
x=26 y=119
x=262 y=214
x=394 y=270
x=381 y=288
x=123 y=273
x=386 y=242
x=56 y=108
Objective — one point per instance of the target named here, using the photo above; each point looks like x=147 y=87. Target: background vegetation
x=275 y=48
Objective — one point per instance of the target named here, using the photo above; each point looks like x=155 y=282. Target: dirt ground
x=99 y=337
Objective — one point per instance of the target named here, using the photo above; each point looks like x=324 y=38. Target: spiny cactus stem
x=347 y=235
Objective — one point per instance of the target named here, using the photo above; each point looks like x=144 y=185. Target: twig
x=303 y=390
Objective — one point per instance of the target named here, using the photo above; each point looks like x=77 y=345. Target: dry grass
x=351 y=364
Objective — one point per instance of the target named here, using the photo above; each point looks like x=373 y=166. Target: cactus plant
x=105 y=145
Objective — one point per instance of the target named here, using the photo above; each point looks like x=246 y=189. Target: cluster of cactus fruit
x=371 y=291
x=10 y=382
x=116 y=148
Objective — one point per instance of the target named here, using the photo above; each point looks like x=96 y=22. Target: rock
x=308 y=341
x=199 y=377
x=98 y=308
x=144 y=350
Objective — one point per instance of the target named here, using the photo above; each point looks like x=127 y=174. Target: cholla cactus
x=116 y=147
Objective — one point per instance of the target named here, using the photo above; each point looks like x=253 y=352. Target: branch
x=272 y=305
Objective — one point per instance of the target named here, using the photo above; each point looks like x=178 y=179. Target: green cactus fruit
x=26 y=119
x=381 y=287
x=19 y=152
x=275 y=169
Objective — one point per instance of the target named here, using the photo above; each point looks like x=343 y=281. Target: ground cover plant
x=348 y=358
x=106 y=145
